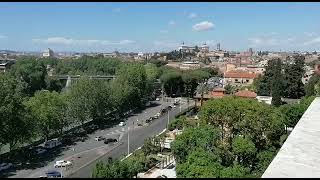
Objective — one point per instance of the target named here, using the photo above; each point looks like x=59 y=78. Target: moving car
x=122 y=124
x=5 y=166
x=139 y=124
x=157 y=99
x=53 y=174
x=110 y=140
x=62 y=163
x=99 y=138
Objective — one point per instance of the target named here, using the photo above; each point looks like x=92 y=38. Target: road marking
x=117 y=145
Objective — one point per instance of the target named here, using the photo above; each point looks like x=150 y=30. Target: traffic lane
x=136 y=139
x=89 y=143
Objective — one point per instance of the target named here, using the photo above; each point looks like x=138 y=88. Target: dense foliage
x=233 y=135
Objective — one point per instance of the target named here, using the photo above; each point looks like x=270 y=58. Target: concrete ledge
x=300 y=154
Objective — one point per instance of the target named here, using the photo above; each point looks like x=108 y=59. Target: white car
x=62 y=163
x=98 y=138
x=122 y=124
x=5 y=166
x=157 y=99
x=157 y=115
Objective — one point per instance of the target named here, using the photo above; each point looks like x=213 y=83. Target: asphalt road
x=86 y=154
x=136 y=139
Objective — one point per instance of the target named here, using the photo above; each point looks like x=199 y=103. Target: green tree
x=244 y=149
x=229 y=89
x=200 y=164
x=80 y=100
x=31 y=71
x=236 y=171
x=276 y=84
x=172 y=82
x=16 y=125
x=203 y=137
x=292 y=78
x=310 y=86
x=48 y=111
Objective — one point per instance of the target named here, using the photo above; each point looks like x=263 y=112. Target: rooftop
x=240 y=74
x=299 y=155
x=246 y=94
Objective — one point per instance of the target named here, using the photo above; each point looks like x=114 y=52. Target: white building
x=204 y=48
x=48 y=53
x=186 y=49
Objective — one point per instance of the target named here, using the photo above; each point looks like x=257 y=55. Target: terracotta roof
x=246 y=93
x=240 y=74
x=218 y=89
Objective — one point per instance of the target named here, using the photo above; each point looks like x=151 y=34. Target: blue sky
x=145 y=27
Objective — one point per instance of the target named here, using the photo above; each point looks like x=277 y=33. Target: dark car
x=139 y=124
x=149 y=120
x=163 y=110
x=110 y=140
x=53 y=173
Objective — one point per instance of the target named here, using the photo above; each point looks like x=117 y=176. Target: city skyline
x=150 y=27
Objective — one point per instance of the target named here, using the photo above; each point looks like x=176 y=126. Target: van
x=52 y=143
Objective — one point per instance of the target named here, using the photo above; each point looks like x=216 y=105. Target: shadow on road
x=24 y=159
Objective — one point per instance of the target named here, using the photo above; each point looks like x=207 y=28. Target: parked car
x=5 y=166
x=40 y=150
x=99 y=138
x=149 y=120
x=52 y=143
x=164 y=110
x=122 y=124
x=157 y=99
x=53 y=174
x=156 y=116
x=139 y=124
x=110 y=140
x=62 y=163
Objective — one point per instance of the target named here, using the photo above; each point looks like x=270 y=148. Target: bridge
x=299 y=156
x=78 y=76
x=69 y=78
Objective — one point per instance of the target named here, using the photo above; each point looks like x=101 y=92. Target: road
x=86 y=154
x=136 y=139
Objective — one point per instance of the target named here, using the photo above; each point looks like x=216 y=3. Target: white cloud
x=88 y=42
x=312 y=41
x=172 y=22
x=192 y=15
x=164 y=31
x=310 y=34
x=263 y=41
x=203 y=26
x=3 y=36
x=116 y=10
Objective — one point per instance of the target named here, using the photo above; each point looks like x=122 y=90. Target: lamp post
x=128 y=141
x=168 y=119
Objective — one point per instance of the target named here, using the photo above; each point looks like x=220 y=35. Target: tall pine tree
x=294 y=88
x=276 y=82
